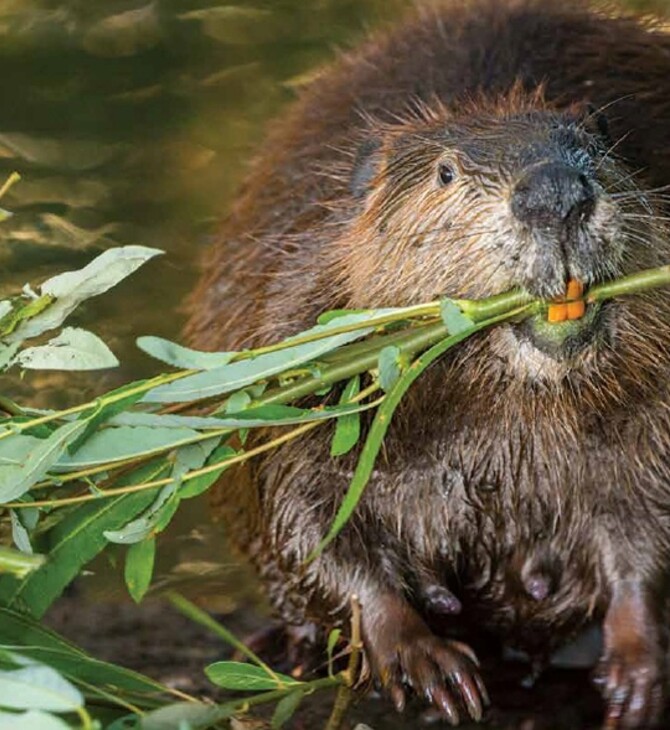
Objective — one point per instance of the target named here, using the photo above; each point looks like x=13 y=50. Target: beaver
x=475 y=147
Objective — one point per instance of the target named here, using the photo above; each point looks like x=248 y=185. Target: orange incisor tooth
x=557 y=312
x=575 y=309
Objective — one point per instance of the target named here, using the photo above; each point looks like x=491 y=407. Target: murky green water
x=132 y=122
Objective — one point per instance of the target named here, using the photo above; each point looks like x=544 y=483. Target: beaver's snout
x=553 y=195
x=565 y=227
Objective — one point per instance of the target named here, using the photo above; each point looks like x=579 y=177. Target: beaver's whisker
x=611 y=149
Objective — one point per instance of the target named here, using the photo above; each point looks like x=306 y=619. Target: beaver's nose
x=553 y=194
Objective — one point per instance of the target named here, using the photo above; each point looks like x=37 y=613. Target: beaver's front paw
x=632 y=685
x=406 y=655
x=631 y=673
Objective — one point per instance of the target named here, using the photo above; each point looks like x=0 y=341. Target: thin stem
x=98 y=403
x=345 y=693
x=9 y=182
x=641 y=281
x=196 y=614
x=278 y=694
x=162 y=482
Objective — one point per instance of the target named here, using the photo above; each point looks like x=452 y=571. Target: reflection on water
x=131 y=122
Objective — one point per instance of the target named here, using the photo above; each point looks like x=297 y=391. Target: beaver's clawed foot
x=406 y=656
x=631 y=673
x=632 y=687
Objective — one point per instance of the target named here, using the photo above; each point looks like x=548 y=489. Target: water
x=133 y=122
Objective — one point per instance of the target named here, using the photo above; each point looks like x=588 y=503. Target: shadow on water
x=132 y=122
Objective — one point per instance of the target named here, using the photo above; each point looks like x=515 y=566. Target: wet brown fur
x=493 y=470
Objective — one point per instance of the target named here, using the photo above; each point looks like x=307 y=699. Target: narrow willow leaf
x=7 y=353
x=105 y=408
x=16 y=479
x=20 y=535
x=31 y=720
x=347 y=428
x=74 y=541
x=198 y=485
x=285 y=709
x=379 y=428
x=333 y=638
x=73 y=287
x=238 y=402
x=43 y=645
x=273 y=414
x=113 y=444
x=197 y=615
x=246 y=677
x=191 y=715
x=160 y=512
x=454 y=319
x=389 y=367
x=237 y=375
x=38 y=687
x=72 y=349
x=140 y=567
x=182 y=357
x=129 y=722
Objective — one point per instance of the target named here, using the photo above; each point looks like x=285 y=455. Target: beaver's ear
x=366 y=166
x=593 y=120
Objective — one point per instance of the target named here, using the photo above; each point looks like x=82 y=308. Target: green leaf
x=140 y=567
x=333 y=638
x=454 y=319
x=31 y=720
x=72 y=349
x=237 y=375
x=74 y=541
x=197 y=615
x=389 y=367
x=44 y=645
x=106 y=408
x=271 y=414
x=20 y=535
x=198 y=485
x=238 y=401
x=73 y=287
x=286 y=708
x=161 y=511
x=38 y=687
x=183 y=357
x=7 y=353
x=190 y=714
x=378 y=430
x=246 y=677
x=114 y=444
x=347 y=428
x=16 y=479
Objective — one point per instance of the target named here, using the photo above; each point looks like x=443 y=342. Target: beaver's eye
x=445 y=174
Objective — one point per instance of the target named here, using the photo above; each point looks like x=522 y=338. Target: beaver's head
x=493 y=196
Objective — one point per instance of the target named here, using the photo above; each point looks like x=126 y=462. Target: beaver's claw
x=444 y=672
x=631 y=674
x=632 y=686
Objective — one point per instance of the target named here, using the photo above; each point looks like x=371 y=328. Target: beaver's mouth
x=566 y=326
